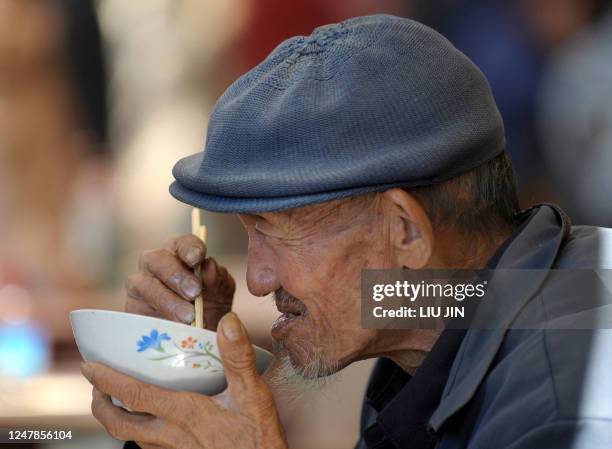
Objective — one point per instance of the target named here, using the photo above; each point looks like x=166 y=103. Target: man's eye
x=269 y=233
x=263 y=228
x=259 y=226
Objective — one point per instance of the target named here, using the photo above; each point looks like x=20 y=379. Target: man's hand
x=166 y=286
x=242 y=417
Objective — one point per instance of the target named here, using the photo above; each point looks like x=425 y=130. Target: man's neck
x=408 y=348
x=455 y=251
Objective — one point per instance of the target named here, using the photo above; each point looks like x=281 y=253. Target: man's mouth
x=292 y=311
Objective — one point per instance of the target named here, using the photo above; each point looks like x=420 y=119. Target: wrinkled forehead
x=340 y=211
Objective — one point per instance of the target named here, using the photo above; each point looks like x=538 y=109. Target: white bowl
x=157 y=351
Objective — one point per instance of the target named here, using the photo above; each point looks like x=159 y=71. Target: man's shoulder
x=549 y=379
x=586 y=247
x=565 y=372
x=565 y=364
x=542 y=380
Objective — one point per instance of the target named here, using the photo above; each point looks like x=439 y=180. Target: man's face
x=312 y=258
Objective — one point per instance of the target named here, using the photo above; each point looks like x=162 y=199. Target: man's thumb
x=236 y=352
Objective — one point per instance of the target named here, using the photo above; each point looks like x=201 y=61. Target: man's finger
x=134 y=394
x=217 y=281
x=189 y=248
x=150 y=431
x=237 y=354
x=209 y=272
x=120 y=424
x=148 y=446
x=150 y=290
x=174 y=274
x=139 y=307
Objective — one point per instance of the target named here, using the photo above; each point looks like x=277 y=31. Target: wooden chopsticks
x=198 y=230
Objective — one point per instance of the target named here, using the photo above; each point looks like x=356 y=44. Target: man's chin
x=289 y=354
x=293 y=379
x=303 y=360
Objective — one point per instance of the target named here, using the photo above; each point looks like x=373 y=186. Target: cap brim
x=254 y=205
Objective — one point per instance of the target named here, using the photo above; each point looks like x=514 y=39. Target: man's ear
x=410 y=230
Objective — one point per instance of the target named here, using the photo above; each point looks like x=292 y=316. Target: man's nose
x=262 y=278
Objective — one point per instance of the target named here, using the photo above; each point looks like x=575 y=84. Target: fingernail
x=185 y=313
x=232 y=328
x=193 y=256
x=87 y=370
x=191 y=287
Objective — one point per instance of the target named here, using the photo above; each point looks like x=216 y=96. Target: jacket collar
x=535 y=248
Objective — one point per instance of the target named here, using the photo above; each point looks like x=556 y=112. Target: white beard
x=294 y=382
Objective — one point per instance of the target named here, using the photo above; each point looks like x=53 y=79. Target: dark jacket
x=536 y=388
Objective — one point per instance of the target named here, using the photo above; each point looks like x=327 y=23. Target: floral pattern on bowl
x=190 y=352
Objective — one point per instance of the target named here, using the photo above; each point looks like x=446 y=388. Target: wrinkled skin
x=314 y=256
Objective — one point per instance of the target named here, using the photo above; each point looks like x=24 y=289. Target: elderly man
x=372 y=143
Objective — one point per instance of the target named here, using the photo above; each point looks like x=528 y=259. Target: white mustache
x=283 y=297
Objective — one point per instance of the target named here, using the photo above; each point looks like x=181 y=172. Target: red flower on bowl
x=188 y=343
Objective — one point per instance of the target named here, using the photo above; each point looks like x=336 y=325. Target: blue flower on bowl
x=152 y=341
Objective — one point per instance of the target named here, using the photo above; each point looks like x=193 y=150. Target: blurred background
x=98 y=99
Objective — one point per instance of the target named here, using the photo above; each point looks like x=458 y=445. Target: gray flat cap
x=361 y=106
